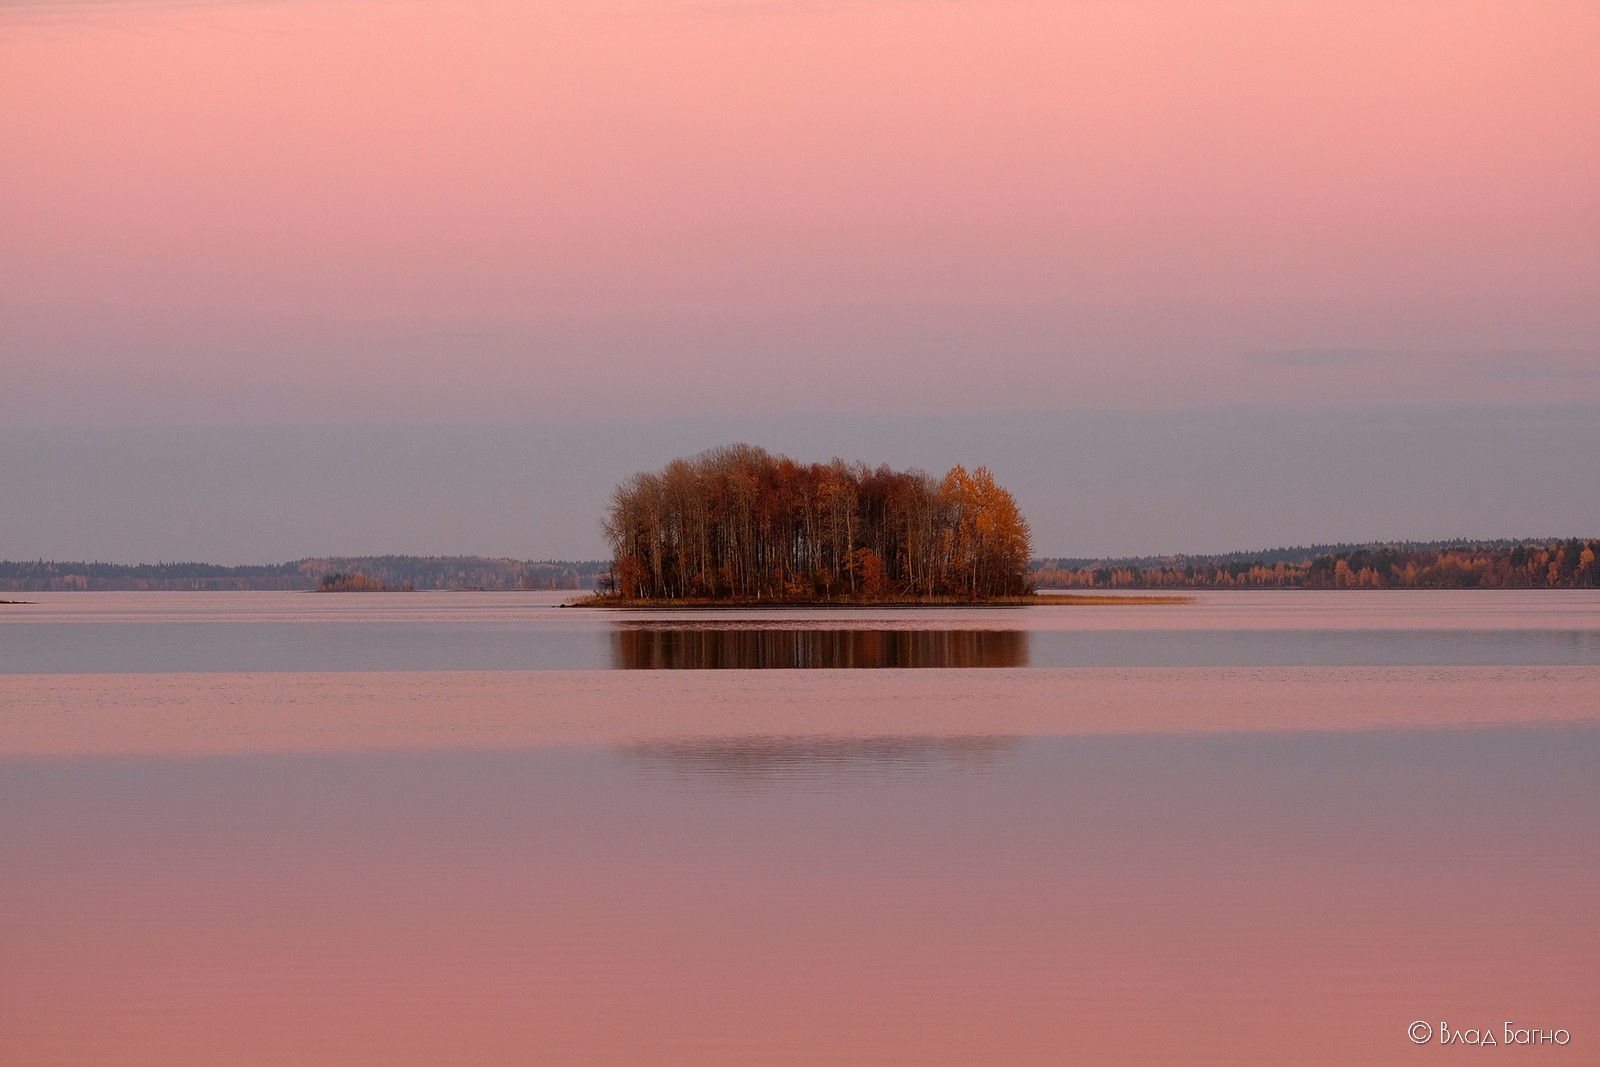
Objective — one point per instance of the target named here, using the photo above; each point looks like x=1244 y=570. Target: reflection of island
x=781 y=758
x=700 y=648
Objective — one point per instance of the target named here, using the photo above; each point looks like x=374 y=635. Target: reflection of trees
x=778 y=758
x=673 y=648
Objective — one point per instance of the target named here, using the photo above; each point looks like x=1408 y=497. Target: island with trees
x=740 y=525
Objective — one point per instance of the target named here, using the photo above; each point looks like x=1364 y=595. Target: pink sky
x=353 y=208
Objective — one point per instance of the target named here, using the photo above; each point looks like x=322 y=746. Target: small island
x=341 y=582
x=739 y=525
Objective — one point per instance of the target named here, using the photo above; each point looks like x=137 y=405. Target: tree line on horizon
x=1287 y=553
x=1504 y=564
x=420 y=572
x=1555 y=564
x=738 y=522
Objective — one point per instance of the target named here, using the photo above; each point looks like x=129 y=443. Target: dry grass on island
x=1025 y=600
x=616 y=600
x=1106 y=599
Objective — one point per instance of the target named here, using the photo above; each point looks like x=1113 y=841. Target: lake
x=1266 y=827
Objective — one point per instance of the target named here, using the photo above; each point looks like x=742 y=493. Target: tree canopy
x=740 y=523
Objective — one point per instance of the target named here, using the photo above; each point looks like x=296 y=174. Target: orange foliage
x=739 y=522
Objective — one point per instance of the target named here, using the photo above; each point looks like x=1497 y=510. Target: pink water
x=1167 y=865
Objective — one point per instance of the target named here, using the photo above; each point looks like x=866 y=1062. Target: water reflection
x=1159 y=900
x=681 y=648
x=774 y=759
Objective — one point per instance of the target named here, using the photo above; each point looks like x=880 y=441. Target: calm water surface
x=457 y=828
x=73 y=633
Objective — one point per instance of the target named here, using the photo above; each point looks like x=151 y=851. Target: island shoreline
x=1034 y=600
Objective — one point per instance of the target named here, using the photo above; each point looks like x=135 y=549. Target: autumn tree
x=738 y=522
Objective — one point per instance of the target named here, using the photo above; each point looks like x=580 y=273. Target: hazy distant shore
x=1528 y=563
x=392 y=572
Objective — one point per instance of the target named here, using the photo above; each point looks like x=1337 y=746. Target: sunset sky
x=1190 y=276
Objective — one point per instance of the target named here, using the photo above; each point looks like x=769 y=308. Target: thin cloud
x=1320 y=357
x=1511 y=363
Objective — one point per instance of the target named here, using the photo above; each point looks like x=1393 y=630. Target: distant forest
x=419 y=572
x=1526 y=564
x=739 y=523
